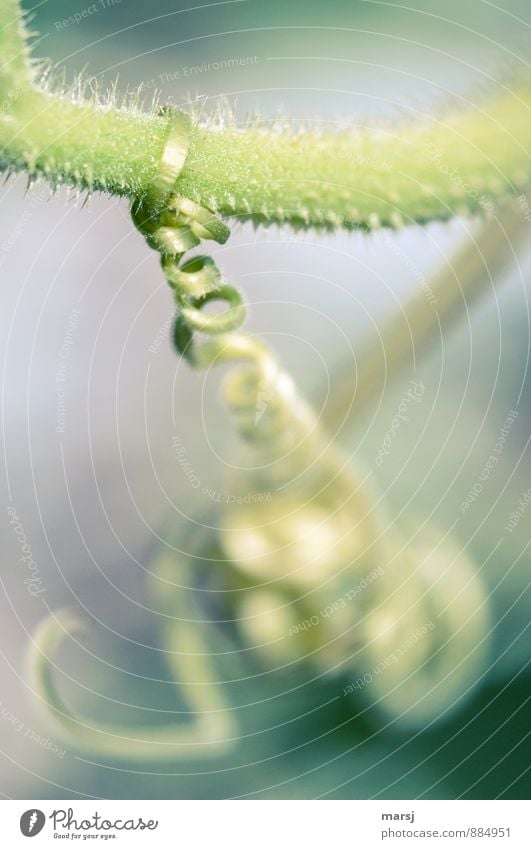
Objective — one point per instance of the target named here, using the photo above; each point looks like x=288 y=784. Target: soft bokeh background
x=93 y=499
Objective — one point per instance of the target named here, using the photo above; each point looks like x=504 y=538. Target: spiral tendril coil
x=433 y=605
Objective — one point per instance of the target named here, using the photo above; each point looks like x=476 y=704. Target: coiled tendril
x=172 y=225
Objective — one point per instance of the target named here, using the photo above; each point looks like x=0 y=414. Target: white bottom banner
x=267 y=824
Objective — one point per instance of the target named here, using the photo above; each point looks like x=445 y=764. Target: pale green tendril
x=181 y=174
x=210 y=731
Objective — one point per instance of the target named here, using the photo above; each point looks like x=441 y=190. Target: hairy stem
x=210 y=732
x=366 y=177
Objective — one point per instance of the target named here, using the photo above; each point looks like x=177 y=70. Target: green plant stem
x=211 y=730
x=349 y=178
